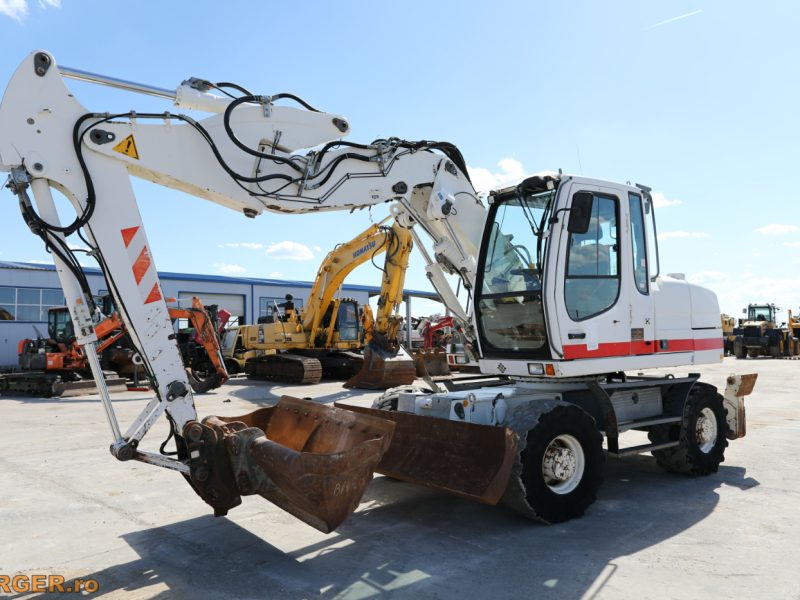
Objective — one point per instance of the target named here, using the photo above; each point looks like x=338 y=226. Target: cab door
x=589 y=307
x=639 y=271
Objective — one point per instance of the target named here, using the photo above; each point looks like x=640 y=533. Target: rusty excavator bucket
x=464 y=459
x=312 y=460
x=431 y=362
x=384 y=367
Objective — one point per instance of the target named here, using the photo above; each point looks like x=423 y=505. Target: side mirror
x=580 y=212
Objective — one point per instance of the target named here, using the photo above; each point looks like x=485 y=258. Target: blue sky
x=696 y=99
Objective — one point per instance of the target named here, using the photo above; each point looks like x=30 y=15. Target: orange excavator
x=57 y=365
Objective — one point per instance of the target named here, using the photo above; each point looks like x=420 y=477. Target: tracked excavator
x=57 y=366
x=566 y=298
x=326 y=337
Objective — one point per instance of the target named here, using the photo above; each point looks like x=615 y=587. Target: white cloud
x=791 y=244
x=229 y=269
x=16 y=9
x=483 y=180
x=737 y=290
x=668 y=235
x=248 y=245
x=777 y=229
x=704 y=277
x=316 y=249
x=19 y=10
x=661 y=201
x=276 y=275
x=287 y=250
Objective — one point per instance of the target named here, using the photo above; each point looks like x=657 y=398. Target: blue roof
x=371 y=289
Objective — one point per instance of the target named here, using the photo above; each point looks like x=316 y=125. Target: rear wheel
x=701 y=435
x=562 y=465
x=739 y=351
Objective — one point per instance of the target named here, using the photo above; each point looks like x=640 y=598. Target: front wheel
x=701 y=435
x=562 y=464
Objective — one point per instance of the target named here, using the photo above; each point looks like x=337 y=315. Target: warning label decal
x=127 y=147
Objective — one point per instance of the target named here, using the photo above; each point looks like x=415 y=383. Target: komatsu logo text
x=363 y=249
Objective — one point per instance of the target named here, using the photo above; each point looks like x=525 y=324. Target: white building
x=27 y=290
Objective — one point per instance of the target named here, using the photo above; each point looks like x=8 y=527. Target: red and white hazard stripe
x=141 y=264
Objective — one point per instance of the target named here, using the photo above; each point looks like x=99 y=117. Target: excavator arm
x=245 y=156
x=207 y=336
x=396 y=242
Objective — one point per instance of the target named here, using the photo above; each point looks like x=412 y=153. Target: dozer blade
x=52 y=385
x=431 y=362
x=383 y=369
x=312 y=460
x=463 y=459
x=66 y=389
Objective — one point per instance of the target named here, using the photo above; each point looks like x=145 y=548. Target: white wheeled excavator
x=566 y=296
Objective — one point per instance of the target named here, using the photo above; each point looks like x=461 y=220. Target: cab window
x=592 y=278
x=638 y=245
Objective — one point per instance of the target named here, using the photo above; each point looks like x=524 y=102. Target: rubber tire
x=201 y=386
x=548 y=505
x=739 y=351
x=687 y=458
x=775 y=351
x=232 y=366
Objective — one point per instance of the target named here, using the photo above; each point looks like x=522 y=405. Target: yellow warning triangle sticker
x=127 y=147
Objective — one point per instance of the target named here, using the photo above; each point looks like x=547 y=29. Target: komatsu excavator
x=320 y=339
x=566 y=296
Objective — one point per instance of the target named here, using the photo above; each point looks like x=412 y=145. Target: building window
x=266 y=305
x=28 y=304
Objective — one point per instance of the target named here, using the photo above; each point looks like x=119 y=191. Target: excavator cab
x=348 y=322
x=59 y=325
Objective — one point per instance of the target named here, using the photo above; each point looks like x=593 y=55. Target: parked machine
x=327 y=337
x=729 y=333
x=57 y=366
x=760 y=334
x=566 y=298
x=431 y=358
x=199 y=344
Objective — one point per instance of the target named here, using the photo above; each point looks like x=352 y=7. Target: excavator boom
x=50 y=141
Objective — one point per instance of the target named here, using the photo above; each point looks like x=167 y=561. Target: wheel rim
x=563 y=464
x=706 y=430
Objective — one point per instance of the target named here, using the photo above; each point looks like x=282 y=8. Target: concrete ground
x=68 y=508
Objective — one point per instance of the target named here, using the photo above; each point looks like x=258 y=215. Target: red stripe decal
x=708 y=344
x=611 y=349
x=127 y=235
x=141 y=265
x=155 y=294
